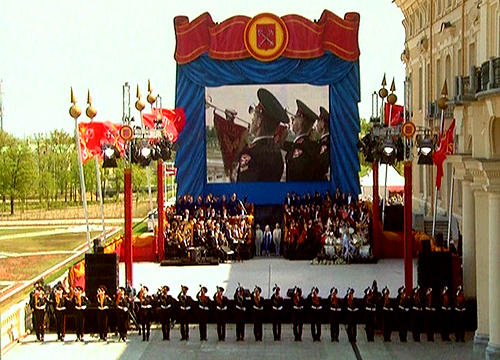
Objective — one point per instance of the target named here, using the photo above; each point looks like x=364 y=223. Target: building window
x=448 y=72
x=439 y=81
x=420 y=90
x=495 y=137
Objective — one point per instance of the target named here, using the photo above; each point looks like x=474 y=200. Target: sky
x=47 y=47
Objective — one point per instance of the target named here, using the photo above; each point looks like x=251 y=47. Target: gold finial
x=74 y=110
x=384 y=82
x=383 y=91
x=393 y=85
x=150 y=90
x=392 y=98
x=91 y=110
x=139 y=104
x=444 y=97
x=151 y=98
x=444 y=92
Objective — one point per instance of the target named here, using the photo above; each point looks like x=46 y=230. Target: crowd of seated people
x=215 y=227
x=335 y=225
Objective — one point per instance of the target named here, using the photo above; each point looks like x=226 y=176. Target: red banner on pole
x=231 y=139
x=445 y=148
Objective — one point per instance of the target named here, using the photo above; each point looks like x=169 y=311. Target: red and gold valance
x=306 y=39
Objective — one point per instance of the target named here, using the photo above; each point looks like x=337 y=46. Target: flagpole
x=75 y=113
x=391 y=100
x=442 y=105
x=91 y=112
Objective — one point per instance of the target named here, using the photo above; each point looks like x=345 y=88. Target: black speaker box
x=100 y=269
x=435 y=270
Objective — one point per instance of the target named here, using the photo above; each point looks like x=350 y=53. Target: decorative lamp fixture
x=110 y=154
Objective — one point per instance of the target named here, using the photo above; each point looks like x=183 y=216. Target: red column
x=408 y=229
x=160 y=249
x=129 y=257
x=376 y=213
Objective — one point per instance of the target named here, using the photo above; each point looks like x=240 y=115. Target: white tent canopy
x=395 y=182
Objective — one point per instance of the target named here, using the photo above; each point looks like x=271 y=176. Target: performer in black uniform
x=221 y=302
x=334 y=313
x=103 y=305
x=403 y=313
x=352 y=311
x=276 y=312
x=122 y=304
x=323 y=128
x=301 y=157
x=387 y=314
x=185 y=303
x=239 y=312
x=370 y=311
x=416 y=314
x=145 y=312
x=446 y=314
x=297 y=313
x=257 y=313
x=316 y=309
x=59 y=301
x=39 y=305
x=459 y=310
x=261 y=160
x=203 y=311
x=80 y=303
x=429 y=314
x=166 y=302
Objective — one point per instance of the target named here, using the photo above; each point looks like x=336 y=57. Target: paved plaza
x=264 y=272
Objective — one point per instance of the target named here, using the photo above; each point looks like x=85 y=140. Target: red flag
x=445 y=148
x=231 y=139
x=397 y=115
x=173 y=121
x=97 y=133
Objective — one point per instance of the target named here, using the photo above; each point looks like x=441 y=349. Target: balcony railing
x=483 y=78
x=434 y=112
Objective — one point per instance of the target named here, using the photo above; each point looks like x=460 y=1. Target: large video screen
x=261 y=133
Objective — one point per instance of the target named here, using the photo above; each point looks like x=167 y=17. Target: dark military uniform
x=352 y=313
x=166 y=303
x=145 y=313
x=221 y=302
x=459 y=310
x=370 y=311
x=80 y=303
x=260 y=161
x=203 y=311
x=301 y=159
x=297 y=314
x=387 y=314
x=334 y=314
x=185 y=303
x=429 y=314
x=446 y=312
x=323 y=148
x=416 y=314
x=277 y=303
x=239 y=313
x=403 y=313
x=316 y=310
x=103 y=306
x=59 y=302
x=257 y=313
x=122 y=314
x=39 y=305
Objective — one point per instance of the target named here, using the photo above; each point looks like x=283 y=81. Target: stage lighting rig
x=425 y=148
x=110 y=154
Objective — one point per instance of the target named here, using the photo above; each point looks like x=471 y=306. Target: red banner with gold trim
x=307 y=39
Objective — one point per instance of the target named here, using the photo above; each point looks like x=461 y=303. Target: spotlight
x=111 y=153
x=387 y=151
x=141 y=154
x=425 y=147
x=388 y=147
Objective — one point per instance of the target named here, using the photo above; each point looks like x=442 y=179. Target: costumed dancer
x=203 y=311
x=185 y=302
x=276 y=312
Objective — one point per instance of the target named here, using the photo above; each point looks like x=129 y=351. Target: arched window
x=447 y=73
x=495 y=137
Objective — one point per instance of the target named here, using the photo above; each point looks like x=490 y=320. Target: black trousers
x=122 y=322
x=386 y=325
x=459 y=326
x=240 y=329
x=370 y=326
x=257 y=329
x=352 y=331
x=403 y=325
x=429 y=325
x=416 y=324
x=40 y=324
x=446 y=319
x=221 y=330
x=297 y=330
x=165 y=325
x=316 y=330
x=146 y=329
x=102 y=323
x=277 y=330
x=60 y=324
x=334 y=327
x=80 y=323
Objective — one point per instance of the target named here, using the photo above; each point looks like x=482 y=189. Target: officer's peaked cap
x=271 y=107
x=306 y=112
x=323 y=114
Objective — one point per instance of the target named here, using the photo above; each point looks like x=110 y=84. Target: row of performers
x=418 y=313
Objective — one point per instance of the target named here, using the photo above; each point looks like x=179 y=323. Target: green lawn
x=27 y=267
x=65 y=241
x=28 y=230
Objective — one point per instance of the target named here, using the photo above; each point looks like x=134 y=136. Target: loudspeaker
x=100 y=269
x=434 y=269
x=426 y=246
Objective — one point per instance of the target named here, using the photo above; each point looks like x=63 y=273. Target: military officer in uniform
x=59 y=303
x=323 y=128
x=122 y=304
x=257 y=313
x=39 y=305
x=446 y=313
x=145 y=312
x=301 y=157
x=297 y=313
x=221 y=302
x=166 y=302
x=403 y=313
x=459 y=310
x=387 y=314
x=240 y=310
x=429 y=314
x=103 y=305
x=352 y=311
x=316 y=309
x=203 y=311
x=334 y=313
x=416 y=313
x=276 y=312
x=261 y=160
x=370 y=311
x=185 y=302
x=80 y=302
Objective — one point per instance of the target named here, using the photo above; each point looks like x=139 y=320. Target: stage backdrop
x=322 y=53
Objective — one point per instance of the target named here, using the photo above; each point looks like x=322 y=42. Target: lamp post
x=160 y=235
x=75 y=112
